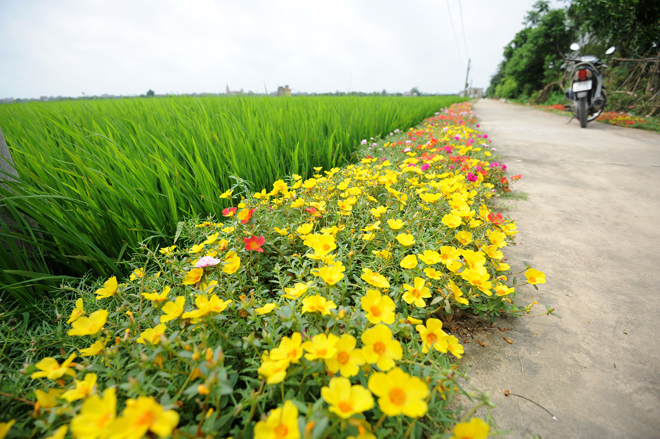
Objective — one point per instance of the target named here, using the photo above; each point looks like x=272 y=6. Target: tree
x=150 y=93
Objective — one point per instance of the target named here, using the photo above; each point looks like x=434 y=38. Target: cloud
x=67 y=47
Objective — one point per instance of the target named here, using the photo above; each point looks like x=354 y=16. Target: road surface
x=591 y=222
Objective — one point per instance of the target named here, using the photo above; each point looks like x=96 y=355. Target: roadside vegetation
x=318 y=307
x=96 y=177
x=534 y=69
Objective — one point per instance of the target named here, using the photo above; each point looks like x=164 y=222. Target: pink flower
x=207 y=261
x=425 y=167
x=472 y=177
x=364 y=142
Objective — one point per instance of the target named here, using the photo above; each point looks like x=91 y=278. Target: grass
x=99 y=176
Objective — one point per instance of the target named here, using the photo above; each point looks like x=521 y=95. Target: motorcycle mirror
x=575 y=46
x=610 y=50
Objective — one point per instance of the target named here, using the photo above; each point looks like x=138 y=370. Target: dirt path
x=592 y=224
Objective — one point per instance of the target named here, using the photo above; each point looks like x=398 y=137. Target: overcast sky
x=126 y=47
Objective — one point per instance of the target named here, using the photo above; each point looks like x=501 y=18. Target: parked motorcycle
x=586 y=88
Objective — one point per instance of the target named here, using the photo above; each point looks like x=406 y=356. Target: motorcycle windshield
x=589 y=58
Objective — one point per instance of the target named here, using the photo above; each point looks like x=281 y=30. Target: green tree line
x=534 y=65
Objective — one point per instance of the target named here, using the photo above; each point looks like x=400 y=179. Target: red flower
x=245 y=215
x=254 y=243
x=229 y=211
x=516 y=177
x=313 y=212
x=495 y=218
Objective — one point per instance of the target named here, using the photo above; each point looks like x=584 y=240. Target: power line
x=460 y=12
x=451 y=20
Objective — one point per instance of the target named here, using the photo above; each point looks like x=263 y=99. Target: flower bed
x=313 y=310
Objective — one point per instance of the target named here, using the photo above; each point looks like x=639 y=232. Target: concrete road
x=592 y=224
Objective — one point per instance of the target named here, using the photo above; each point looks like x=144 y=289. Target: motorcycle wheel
x=582 y=112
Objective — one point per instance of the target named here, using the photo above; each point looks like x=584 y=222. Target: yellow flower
x=464 y=237
x=409 y=262
x=448 y=254
x=152 y=335
x=474 y=259
x=206 y=305
x=535 y=276
x=492 y=251
x=321 y=347
x=375 y=279
x=167 y=250
x=378 y=211
x=231 y=265
x=380 y=348
x=5 y=427
x=227 y=194
x=109 y=289
x=331 y=274
x=429 y=257
x=297 y=291
x=173 y=310
x=324 y=244
x=59 y=433
x=48 y=400
x=432 y=335
x=454 y=346
x=503 y=290
x=432 y=273
x=141 y=415
x=368 y=236
x=211 y=238
x=83 y=388
x=94 y=349
x=503 y=267
x=497 y=238
x=89 y=325
x=282 y=423
x=282 y=232
x=77 y=311
x=196 y=248
x=298 y=203
x=457 y=293
x=478 y=277
x=193 y=276
x=136 y=274
x=347 y=359
x=416 y=294
x=318 y=304
x=344 y=400
x=405 y=239
x=384 y=254
x=96 y=416
x=305 y=229
x=273 y=370
x=156 y=297
x=399 y=393
x=51 y=369
x=266 y=309
x=289 y=349
x=378 y=308
x=475 y=429
x=451 y=220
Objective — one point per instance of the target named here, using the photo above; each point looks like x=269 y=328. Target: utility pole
x=466 y=77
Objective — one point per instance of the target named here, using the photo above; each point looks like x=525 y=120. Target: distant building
x=233 y=93
x=409 y=93
x=473 y=93
x=284 y=91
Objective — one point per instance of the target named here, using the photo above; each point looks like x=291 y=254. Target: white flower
x=406 y=150
x=207 y=261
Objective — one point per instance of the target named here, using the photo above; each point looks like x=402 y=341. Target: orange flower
x=254 y=243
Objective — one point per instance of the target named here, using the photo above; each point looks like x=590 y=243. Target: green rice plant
x=98 y=176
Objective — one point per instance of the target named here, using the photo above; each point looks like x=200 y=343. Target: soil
x=590 y=222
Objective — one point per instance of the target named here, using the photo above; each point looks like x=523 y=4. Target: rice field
x=97 y=177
